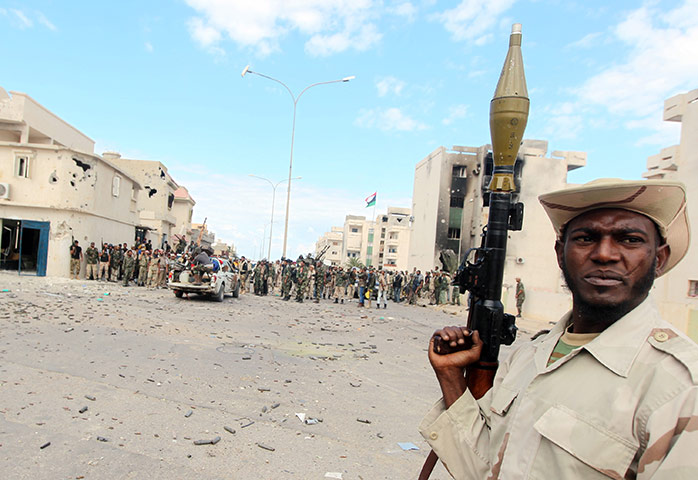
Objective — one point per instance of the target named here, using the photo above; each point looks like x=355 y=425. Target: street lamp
x=295 y=99
x=273 y=201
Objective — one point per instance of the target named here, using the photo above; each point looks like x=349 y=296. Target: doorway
x=24 y=246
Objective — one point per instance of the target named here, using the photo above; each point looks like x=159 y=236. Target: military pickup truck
x=218 y=280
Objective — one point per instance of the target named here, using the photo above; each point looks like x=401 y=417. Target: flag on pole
x=371 y=200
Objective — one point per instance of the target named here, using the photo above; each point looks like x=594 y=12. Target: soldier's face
x=609 y=258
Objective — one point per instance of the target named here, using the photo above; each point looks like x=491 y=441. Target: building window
x=335 y=243
x=459 y=171
x=693 y=288
x=23 y=167
x=170 y=201
x=453 y=233
x=393 y=236
x=385 y=219
x=370 y=237
x=369 y=250
x=392 y=250
x=457 y=201
x=115 y=185
x=354 y=230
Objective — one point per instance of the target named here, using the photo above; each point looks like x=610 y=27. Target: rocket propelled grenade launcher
x=482 y=276
x=508 y=115
x=482 y=270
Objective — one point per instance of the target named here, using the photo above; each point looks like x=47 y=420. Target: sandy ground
x=156 y=373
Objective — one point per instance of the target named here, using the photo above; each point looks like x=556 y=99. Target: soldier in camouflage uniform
x=319 y=281
x=117 y=258
x=153 y=266
x=92 y=262
x=301 y=280
x=340 y=283
x=142 y=266
x=129 y=265
x=611 y=391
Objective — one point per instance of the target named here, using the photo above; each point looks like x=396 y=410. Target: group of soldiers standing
x=121 y=263
x=309 y=278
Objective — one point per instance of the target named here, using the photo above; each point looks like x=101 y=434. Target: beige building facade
x=54 y=189
x=333 y=241
x=155 y=205
x=183 y=211
x=449 y=213
x=380 y=243
x=677 y=292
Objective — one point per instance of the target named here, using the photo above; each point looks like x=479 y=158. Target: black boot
x=336 y=301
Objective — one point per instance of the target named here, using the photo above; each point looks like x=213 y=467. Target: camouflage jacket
x=92 y=255
x=129 y=262
x=117 y=257
x=625 y=405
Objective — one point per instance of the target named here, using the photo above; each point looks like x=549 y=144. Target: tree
x=354 y=262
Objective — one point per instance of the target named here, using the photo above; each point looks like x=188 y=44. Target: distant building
x=156 y=204
x=381 y=243
x=183 y=210
x=333 y=241
x=54 y=189
x=199 y=231
x=676 y=293
x=393 y=239
x=449 y=213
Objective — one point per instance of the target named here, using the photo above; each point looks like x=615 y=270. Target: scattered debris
x=275 y=405
x=90 y=397
x=265 y=447
x=407 y=446
x=82 y=410
x=188 y=414
x=246 y=425
x=211 y=441
x=229 y=430
x=363 y=420
x=333 y=475
x=102 y=439
x=45 y=445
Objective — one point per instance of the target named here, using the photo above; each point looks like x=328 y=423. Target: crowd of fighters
x=310 y=279
x=304 y=279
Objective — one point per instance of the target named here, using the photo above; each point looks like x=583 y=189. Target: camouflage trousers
x=74 y=268
x=128 y=274
x=301 y=288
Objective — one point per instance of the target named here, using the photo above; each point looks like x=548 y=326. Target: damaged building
x=54 y=189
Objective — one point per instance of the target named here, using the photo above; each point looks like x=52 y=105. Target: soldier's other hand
x=453 y=337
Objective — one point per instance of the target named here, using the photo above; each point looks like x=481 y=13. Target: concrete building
x=393 y=231
x=356 y=233
x=677 y=292
x=155 y=206
x=333 y=240
x=381 y=243
x=449 y=213
x=201 y=230
x=54 y=189
x=183 y=210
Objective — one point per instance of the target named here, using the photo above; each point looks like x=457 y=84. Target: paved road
x=157 y=373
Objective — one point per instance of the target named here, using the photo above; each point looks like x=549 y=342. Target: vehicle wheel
x=220 y=294
x=236 y=292
x=178 y=293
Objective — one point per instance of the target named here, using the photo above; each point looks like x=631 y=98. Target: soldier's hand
x=453 y=337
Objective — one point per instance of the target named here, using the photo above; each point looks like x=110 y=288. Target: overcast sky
x=160 y=80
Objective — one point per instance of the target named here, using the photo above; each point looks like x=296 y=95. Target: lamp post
x=295 y=99
x=273 y=202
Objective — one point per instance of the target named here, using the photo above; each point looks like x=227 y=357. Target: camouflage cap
x=662 y=201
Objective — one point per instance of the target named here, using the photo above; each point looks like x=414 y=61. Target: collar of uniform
x=547 y=345
x=619 y=345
